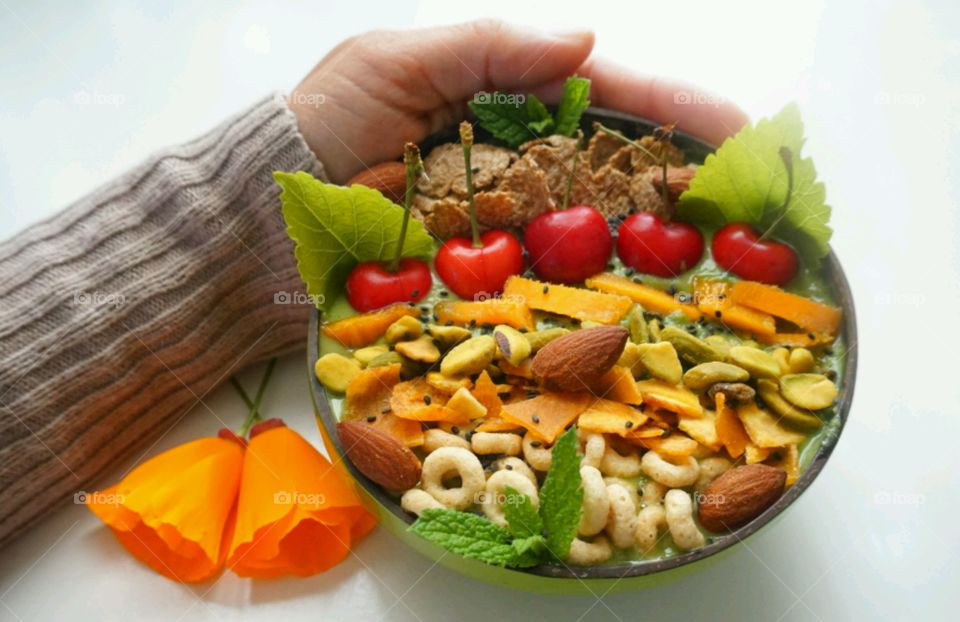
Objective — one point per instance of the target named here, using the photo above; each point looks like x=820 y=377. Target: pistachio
x=631 y=359
x=653 y=327
x=782 y=357
x=590 y=324
x=735 y=391
x=335 y=371
x=469 y=357
x=540 y=338
x=690 y=348
x=801 y=361
x=769 y=392
x=637 y=325
x=408 y=367
x=387 y=358
x=661 y=361
x=721 y=343
x=448 y=385
x=465 y=403
x=810 y=391
x=448 y=336
x=404 y=329
x=760 y=364
x=421 y=349
x=512 y=344
x=712 y=372
x=365 y=355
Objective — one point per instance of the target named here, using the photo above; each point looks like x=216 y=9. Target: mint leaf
x=561 y=497
x=746 y=181
x=576 y=98
x=529 y=551
x=468 y=535
x=521 y=515
x=335 y=228
x=511 y=120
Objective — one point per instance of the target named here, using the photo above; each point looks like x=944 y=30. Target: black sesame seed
x=523 y=329
x=531 y=394
x=371 y=418
x=672 y=290
x=638 y=280
x=473 y=323
x=722 y=296
x=444 y=293
x=454 y=430
x=415 y=293
x=628 y=424
x=609 y=267
x=546 y=289
x=427 y=399
x=385 y=410
x=425 y=309
x=811 y=336
x=535 y=419
x=486 y=326
x=643 y=407
x=630 y=272
x=447 y=323
x=535 y=443
x=718 y=313
x=508 y=467
x=831 y=374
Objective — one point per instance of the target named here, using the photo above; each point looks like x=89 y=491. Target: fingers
x=694 y=111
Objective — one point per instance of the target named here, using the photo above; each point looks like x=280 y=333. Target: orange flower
x=171 y=512
x=296 y=514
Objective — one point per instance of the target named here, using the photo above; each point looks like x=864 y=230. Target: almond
x=577 y=360
x=740 y=495
x=678 y=180
x=390 y=178
x=379 y=455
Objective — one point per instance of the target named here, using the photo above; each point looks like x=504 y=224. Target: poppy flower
x=296 y=514
x=174 y=512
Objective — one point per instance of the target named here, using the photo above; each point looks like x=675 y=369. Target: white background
x=879 y=86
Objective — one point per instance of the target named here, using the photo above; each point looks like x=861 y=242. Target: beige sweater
x=123 y=311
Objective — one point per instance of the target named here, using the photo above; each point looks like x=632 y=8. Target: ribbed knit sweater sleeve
x=120 y=313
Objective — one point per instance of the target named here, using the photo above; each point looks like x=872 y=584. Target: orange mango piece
x=673 y=447
x=362 y=330
x=618 y=385
x=650 y=298
x=609 y=417
x=494 y=311
x=572 y=302
x=730 y=431
x=804 y=312
x=486 y=393
x=435 y=412
x=795 y=340
x=676 y=399
x=711 y=298
x=546 y=415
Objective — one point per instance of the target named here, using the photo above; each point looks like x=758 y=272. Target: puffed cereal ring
x=435 y=438
x=495 y=495
x=465 y=464
x=416 y=501
x=594 y=446
x=485 y=443
x=618 y=465
x=669 y=474
x=538 y=456
x=679 y=512
x=711 y=469
x=651 y=493
x=622 y=518
x=583 y=553
x=511 y=463
x=596 y=502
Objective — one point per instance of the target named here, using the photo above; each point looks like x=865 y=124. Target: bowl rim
x=833 y=274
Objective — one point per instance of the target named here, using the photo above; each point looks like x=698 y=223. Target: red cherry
x=371 y=286
x=471 y=271
x=567 y=246
x=648 y=244
x=266 y=424
x=737 y=249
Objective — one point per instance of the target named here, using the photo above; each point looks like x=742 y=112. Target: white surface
x=874 y=538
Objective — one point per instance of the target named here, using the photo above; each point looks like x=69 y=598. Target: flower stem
x=253 y=405
x=573 y=170
x=466 y=139
x=414 y=166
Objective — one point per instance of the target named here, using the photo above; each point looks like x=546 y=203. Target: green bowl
x=629 y=576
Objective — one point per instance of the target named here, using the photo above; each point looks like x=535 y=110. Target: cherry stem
x=606 y=130
x=414 y=166
x=573 y=170
x=787 y=156
x=466 y=139
x=253 y=405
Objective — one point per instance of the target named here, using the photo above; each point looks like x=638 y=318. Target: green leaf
x=561 y=497
x=576 y=98
x=512 y=119
x=468 y=535
x=746 y=181
x=521 y=515
x=529 y=551
x=335 y=228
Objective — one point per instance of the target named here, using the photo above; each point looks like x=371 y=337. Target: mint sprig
x=515 y=121
x=533 y=536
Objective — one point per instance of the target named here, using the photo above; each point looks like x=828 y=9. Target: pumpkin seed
x=469 y=357
x=770 y=394
x=721 y=343
x=706 y=374
x=335 y=371
x=512 y=344
x=690 y=348
x=661 y=361
x=759 y=363
x=810 y=391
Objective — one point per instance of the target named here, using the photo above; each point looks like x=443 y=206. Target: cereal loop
x=669 y=474
x=444 y=461
x=416 y=501
x=622 y=518
x=711 y=469
x=584 y=553
x=435 y=438
x=485 y=443
x=617 y=465
x=495 y=495
x=679 y=512
x=594 y=447
x=510 y=463
x=538 y=456
x=596 y=502
x=649 y=521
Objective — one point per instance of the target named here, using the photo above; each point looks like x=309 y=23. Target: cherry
x=648 y=244
x=567 y=246
x=372 y=285
x=737 y=248
x=472 y=271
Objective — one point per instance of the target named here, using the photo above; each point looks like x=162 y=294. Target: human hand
x=382 y=89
